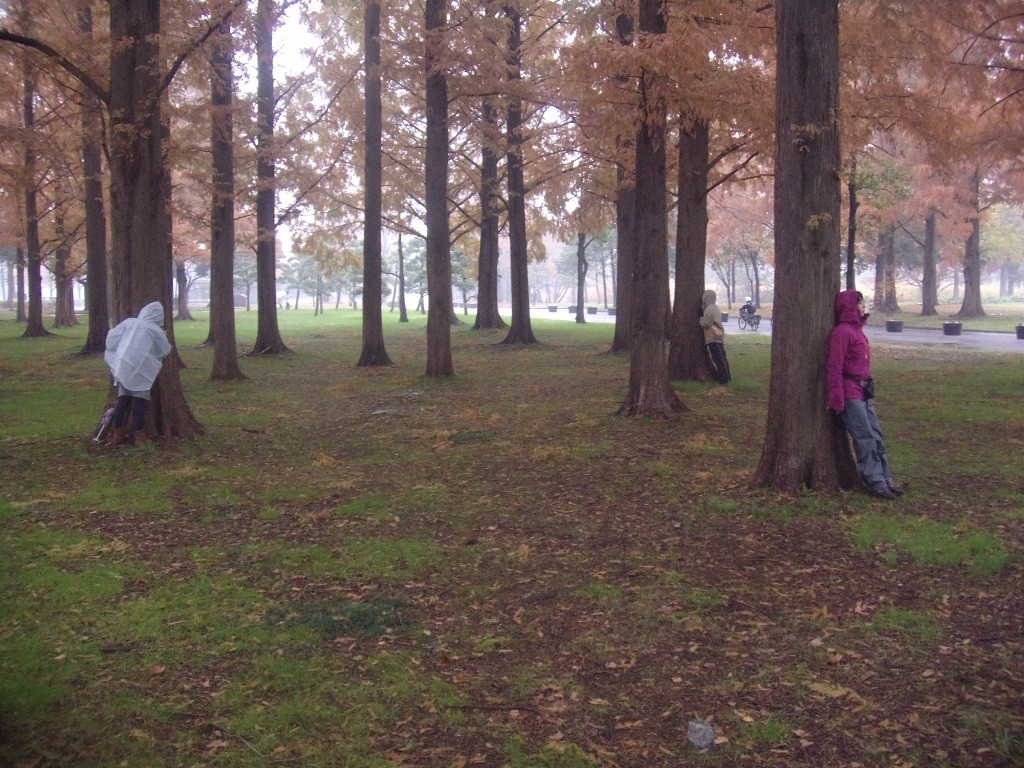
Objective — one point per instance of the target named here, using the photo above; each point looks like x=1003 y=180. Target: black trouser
x=716 y=350
x=138 y=408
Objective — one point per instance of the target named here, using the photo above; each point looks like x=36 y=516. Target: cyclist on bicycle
x=748 y=309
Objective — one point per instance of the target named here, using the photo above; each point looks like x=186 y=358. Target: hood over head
x=153 y=313
x=708 y=298
x=846 y=307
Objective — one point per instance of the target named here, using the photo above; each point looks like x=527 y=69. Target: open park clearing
x=367 y=567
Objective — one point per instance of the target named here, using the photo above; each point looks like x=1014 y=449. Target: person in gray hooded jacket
x=714 y=334
x=136 y=348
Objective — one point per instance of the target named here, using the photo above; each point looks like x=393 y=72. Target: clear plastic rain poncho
x=136 y=348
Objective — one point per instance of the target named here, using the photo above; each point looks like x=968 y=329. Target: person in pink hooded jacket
x=851 y=393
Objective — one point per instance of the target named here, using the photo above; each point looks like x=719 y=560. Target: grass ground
x=370 y=568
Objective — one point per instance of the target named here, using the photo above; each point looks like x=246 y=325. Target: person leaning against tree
x=851 y=393
x=136 y=348
x=714 y=336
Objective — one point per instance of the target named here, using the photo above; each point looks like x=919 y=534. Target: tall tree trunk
x=687 y=358
x=971 y=306
x=374 y=352
x=625 y=216
x=268 y=334
x=139 y=254
x=439 y=264
x=879 y=300
x=581 y=277
x=521 y=330
x=166 y=221
x=487 y=314
x=604 y=278
x=756 y=295
x=33 y=249
x=890 y=303
x=403 y=313
x=851 y=229
x=97 y=299
x=20 y=313
x=181 y=281
x=650 y=391
x=222 y=212
x=625 y=223
x=64 y=309
x=805 y=445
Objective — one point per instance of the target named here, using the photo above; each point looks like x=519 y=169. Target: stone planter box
x=552 y=309
x=611 y=310
x=894 y=326
x=725 y=317
x=572 y=310
x=1020 y=331
x=591 y=310
x=952 y=329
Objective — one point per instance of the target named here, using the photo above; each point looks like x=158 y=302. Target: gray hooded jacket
x=711 y=320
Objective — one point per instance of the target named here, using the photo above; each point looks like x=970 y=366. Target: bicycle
x=749 y=319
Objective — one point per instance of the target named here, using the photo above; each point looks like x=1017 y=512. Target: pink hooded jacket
x=849 y=354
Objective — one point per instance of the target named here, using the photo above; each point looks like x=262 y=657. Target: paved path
x=988 y=341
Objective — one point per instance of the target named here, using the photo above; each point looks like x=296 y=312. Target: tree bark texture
x=687 y=358
x=929 y=278
x=33 y=248
x=21 y=315
x=373 y=352
x=625 y=222
x=879 y=299
x=487 y=314
x=222 y=214
x=139 y=216
x=887 y=240
x=439 y=264
x=625 y=219
x=166 y=221
x=650 y=391
x=971 y=306
x=851 y=229
x=805 y=444
x=521 y=330
x=581 y=277
x=751 y=255
x=268 y=333
x=403 y=312
x=97 y=298
x=181 y=282
x=64 y=309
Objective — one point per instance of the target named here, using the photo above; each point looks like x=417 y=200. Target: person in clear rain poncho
x=136 y=348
